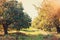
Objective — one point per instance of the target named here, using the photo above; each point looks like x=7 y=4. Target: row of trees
x=13 y=14
x=48 y=17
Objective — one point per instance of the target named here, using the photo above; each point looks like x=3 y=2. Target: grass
x=29 y=34
x=28 y=37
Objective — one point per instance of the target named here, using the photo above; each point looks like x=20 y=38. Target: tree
x=56 y=23
x=48 y=15
x=53 y=13
x=14 y=15
x=44 y=14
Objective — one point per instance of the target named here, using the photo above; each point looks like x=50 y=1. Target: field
x=30 y=34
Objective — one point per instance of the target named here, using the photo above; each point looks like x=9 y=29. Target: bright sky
x=29 y=8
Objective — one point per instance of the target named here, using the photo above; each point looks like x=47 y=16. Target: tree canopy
x=15 y=15
x=48 y=16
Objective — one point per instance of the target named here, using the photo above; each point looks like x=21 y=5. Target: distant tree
x=48 y=16
x=14 y=15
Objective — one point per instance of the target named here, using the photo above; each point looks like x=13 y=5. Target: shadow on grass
x=22 y=36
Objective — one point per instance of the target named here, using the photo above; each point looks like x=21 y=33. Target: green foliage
x=15 y=15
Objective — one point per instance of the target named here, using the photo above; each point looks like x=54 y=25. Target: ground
x=29 y=34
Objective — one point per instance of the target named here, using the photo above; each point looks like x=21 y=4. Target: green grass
x=28 y=37
x=32 y=37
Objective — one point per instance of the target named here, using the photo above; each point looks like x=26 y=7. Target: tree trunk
x=5 y=26
x=58 y=29
x=57 y=23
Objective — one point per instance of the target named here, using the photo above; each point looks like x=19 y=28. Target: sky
x=29 y=8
